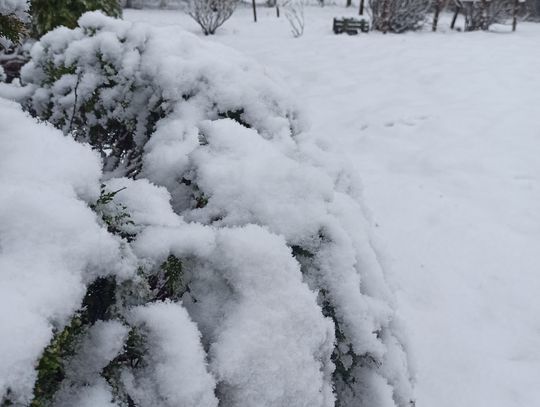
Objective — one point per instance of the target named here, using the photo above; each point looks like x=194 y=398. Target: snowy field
x=444 y=130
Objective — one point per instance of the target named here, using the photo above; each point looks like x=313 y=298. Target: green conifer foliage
x=11 y=27
x=49 y=14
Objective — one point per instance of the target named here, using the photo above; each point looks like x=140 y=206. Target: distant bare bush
x=211 y=14
x=480 y=15
x=398 y=15
x=532 y=10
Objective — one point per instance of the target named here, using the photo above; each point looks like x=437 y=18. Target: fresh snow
x=51 y=244
x=178 y=374
x=443 y=129
x=251 y=190
x=414 y=155
x=16 y=7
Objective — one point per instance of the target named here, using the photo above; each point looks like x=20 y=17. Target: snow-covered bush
x=211 y=14
x=247 y=276
x=15 y=7
x=398 y=16
x=13 y=14
x=51 y=245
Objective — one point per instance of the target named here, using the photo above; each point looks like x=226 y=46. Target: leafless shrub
x=480 y=15
x=531 y=10
x=294 y=12
x=211 y=14
x=398 y=15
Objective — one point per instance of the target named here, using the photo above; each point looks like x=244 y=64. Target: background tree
x=398 y=15
x=438 y=6
x=480 y=15
x=533 y=10
x=49 y=14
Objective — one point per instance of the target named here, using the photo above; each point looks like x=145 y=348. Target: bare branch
x=294 y=12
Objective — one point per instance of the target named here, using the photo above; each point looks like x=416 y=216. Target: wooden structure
x=351 y=26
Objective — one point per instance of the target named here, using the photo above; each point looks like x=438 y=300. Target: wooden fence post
x=254 y=11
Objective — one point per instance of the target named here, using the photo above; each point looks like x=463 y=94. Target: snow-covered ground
x=444 y=130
